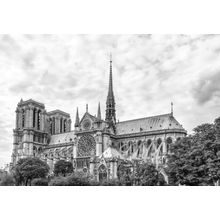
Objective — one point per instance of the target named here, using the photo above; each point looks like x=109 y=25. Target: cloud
x=149 y=71
x=207 y=87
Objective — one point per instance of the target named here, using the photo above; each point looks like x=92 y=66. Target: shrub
x=40 y=182
x=58 y=181
x=111 y=182
x=7 y=180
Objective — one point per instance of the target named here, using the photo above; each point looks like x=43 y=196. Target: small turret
x=77 y=119
x=99 y=113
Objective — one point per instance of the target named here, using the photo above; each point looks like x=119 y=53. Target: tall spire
x=99 y=112
x=110 y=103
x=77 y=118
x=110 y=85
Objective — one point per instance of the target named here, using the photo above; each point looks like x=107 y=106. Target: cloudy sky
x=149 y=71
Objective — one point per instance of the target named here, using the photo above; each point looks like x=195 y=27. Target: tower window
x=23 y=118
x=39 y=120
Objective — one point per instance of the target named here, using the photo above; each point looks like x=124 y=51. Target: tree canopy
x=63 y=167
x=195 y=160
x=29 y=168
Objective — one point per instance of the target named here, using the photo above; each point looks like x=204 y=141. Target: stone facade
x=95 y=145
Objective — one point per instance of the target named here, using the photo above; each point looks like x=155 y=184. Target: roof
x=62 y=138
x=57 y=111
x=148 y=124
x=31 y=101
x=111 y=153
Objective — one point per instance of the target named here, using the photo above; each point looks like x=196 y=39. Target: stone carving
x=86 y=146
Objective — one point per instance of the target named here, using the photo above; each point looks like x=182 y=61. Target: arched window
x=159 y=141
x=61 y=125
x=53 y=125
x=38 y=119
x=169 y=142
x=64 y=125
x=34 y=117
x=23 y=118
x=102 y=173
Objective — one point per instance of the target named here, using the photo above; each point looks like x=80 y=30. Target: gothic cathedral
x=96 y=145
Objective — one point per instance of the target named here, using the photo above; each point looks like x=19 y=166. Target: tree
x=29 y=168
x=195 y=160
x=147 y=175
x=63 y=167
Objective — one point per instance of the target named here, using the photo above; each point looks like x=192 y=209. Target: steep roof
x=148 y=124
x=111 y=153
x=62 y=138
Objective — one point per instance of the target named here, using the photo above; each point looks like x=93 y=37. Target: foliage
x=204 y=133
x=29 y=168
x=7 y=180
x=40 y=182
x=195 y=160
x=63 y=167
x=78 y=179
x=58 y=181
x=125 y=173
x=147 y=175
x=75 y=179
x=111 y=182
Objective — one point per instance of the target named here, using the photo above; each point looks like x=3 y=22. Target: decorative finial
x=77 y=118
x=172 y=108
x=99 y=112
x=87 y=107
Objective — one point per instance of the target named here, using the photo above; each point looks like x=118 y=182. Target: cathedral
x=95 y=145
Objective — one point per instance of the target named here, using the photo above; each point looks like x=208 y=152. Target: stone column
x=91 y=169
x=111 y=176
x=98 y=143
x=26 y=123
x=17 y=119
x=57 y=124
x=63 y=120
x=164 y=146
x=115 y=169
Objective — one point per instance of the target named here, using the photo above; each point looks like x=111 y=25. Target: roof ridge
x=155 y=116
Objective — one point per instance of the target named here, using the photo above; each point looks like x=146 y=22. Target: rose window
x=86 y=146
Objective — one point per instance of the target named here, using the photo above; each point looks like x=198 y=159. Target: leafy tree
x=63 y=167
x=195 y=160
x=29 y=168
x=147 y=175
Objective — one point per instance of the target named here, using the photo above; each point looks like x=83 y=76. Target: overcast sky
x=149 y=71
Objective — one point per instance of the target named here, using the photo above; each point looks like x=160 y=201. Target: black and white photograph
x=109 y=109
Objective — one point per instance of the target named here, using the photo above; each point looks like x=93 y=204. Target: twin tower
x=34 y=125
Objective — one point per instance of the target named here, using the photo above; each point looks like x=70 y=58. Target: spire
x=99 y=112
x=110 y=103
x=172 y=108
x=87 y=107
x=110 y=85
x=77 y=118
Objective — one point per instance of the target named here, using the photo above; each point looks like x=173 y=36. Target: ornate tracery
x=86 y=146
